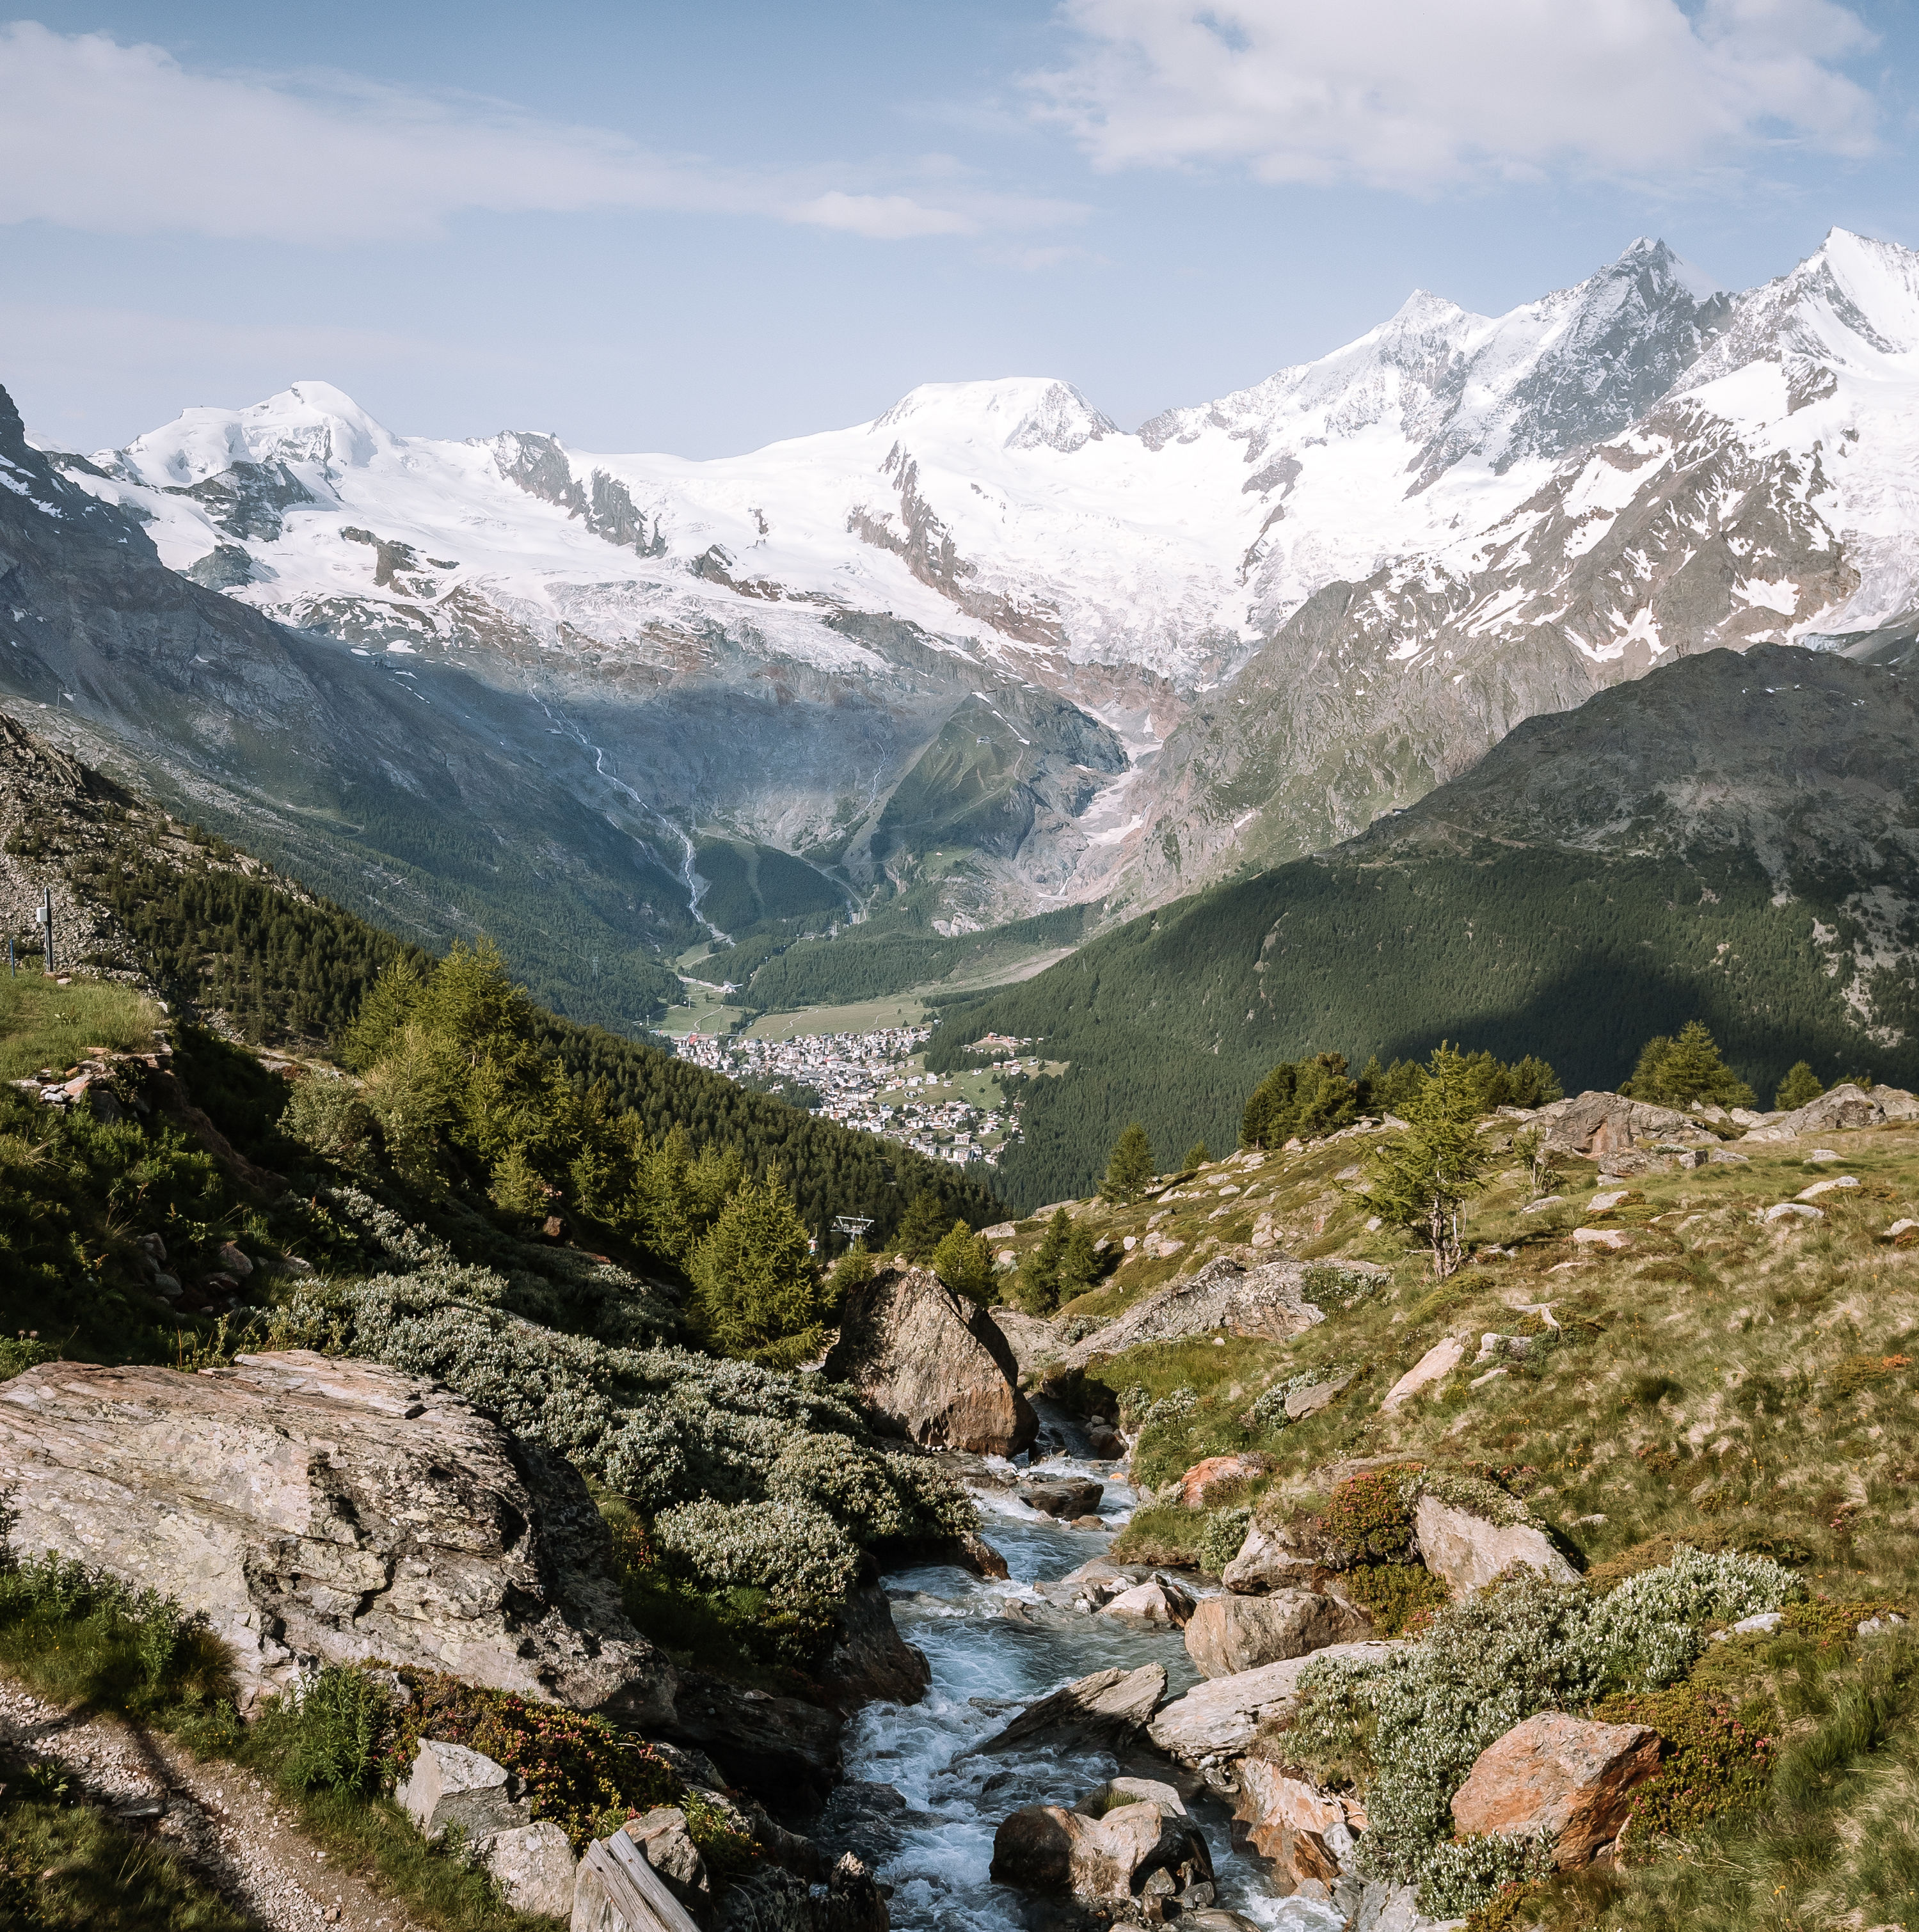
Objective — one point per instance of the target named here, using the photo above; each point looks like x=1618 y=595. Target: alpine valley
x=987 y=658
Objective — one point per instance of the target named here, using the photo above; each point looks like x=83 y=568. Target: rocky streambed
x=922 y=1800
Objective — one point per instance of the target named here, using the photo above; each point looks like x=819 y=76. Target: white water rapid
x=923 y=1811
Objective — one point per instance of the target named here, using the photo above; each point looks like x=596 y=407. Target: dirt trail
x=227 y=1825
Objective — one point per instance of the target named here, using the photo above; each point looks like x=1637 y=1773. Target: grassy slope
x=1716 y=1380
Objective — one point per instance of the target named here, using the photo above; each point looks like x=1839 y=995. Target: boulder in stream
x=1107 y=1709
x=931 y=1364
x=1065 y=1497
x=1157 y=1600
x=869 y=1659
x=1135 y=1852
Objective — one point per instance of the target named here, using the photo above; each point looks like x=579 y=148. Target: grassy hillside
x=1718 y=1382
x=1550 y=901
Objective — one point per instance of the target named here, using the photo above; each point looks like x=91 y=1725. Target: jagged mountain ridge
x=1235 y=635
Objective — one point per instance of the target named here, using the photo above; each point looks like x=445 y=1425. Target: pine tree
x=1039 y=1279
x=1130 y=1167
x=964 y=1262
x=923 y=1228
x=1800 y=1088
x=1685 y=1072
x=1426 y=1175
x=757 y=1293
x=1197 y=1156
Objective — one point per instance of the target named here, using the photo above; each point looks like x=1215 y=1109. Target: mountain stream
x=922 y=1809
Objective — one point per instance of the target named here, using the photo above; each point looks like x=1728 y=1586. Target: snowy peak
x=307 y=424
x=1018 y=413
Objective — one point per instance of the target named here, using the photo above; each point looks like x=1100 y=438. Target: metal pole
x=47 y=908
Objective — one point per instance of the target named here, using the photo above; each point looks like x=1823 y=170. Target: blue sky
x=700 y=227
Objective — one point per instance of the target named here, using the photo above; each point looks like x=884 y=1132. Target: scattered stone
x=1105 y=1443
x=1878 y=1626
x=1543 y=1200
x=1792 y=1210
x=1317 y=1396
x=1156 y=1601
x=1822 y=1153
x=973 y=1552
x=534 y=1867
x=1088 y=1522
x=1466 y=1551
x=319 y=1511
x=1107 y=1708
x=667 y=1844
x=931 y=1365
x=1118 y=1791
x=1559 y=1778
x=1842 y=1107
x=1203 y=1480
x=1603 y=1203
x=451 y=1786
x=1611 y=1239
x=1761 y=1623
x=1828 y=1186
x=234 y=1260
x=1230 y=1634
x=1903 y=1227
x=1492 y=1347
x=1065 y=1497
x=1726 y=1157
x=1434 y=1365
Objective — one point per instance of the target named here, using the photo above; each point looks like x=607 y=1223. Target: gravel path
x=228 y=1825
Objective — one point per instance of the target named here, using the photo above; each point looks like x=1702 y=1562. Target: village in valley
x=877 y=1081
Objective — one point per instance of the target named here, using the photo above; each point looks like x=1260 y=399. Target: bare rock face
x=321 y=1512
x=1269 y=1559
x=1231 y=1633
x=1307 y=1835
x=931 y=1365
x=1560 y=1778
x=1846 y=1105
x=1157 y=1600
x=1109 y=1708
x=1268 y=1301
x=870 y=1659
x=1596 y=1123
x=1466 y=1552
x=451 y=1788
x=1134 y=1851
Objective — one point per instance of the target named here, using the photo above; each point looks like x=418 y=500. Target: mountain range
x=985 y=657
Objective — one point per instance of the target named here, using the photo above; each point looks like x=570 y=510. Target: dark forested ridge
x=214 y=930
x=1440 y=924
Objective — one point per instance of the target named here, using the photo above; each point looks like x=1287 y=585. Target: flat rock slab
x=1434 y=1365
x=1267 y=1300
x=1466 y=1551
x=1216 y=1720
x=319 y=1512
x=1109 y=1707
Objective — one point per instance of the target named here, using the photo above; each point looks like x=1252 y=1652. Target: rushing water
x=924 y=1810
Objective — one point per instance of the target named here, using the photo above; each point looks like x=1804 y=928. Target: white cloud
x=123 y=140
x=1424 y=94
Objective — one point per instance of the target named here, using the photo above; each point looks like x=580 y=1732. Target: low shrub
x=1397 y=1595
x=1159 y=1533
x=1831 y=1621
x=334 y=1728
x=1514 y=1907
x=1711 y=1765
x=1220 y=1538
x=1370 y=1517
x=1462 y=1873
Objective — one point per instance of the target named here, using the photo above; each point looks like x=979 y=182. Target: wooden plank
x=630 y=1864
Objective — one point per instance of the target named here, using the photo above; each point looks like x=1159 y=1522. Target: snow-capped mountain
x=1240 y=631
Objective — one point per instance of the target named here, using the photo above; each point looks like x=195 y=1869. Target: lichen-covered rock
x=320 y=1511
x=1595 y=1122
x=1564 y=1780
x=534 y=1867
x=1157 y=1600
x=450 y=1787
x=1231 y=1633
x=1466 y=1551
x=1434 y=1365
x=931 y=1365
x=1268 y=1301
x=1270 y=1558
x=1841 y=1107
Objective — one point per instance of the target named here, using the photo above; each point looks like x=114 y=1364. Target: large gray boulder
x=1598 y=1124
x=1230 y=1634
x=931 y=1365
x=1268 y=1302
x=1107 y=1709
x=319 y=1512
x=1466 y=1551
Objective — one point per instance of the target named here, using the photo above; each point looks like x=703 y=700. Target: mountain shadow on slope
x=1734 y=838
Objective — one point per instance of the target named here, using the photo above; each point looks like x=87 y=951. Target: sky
x=658 y=225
